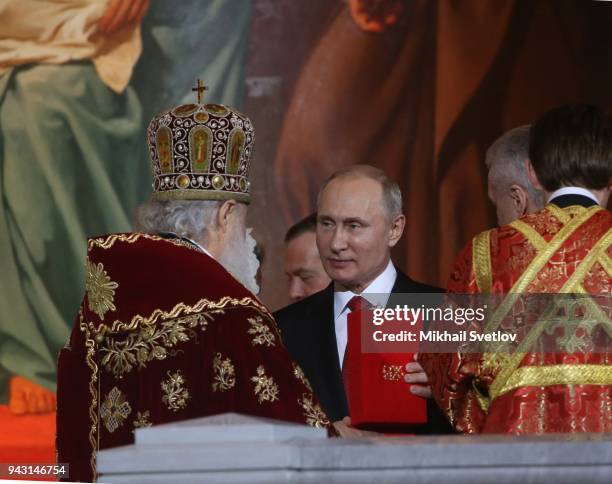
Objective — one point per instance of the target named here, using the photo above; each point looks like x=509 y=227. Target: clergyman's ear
x=224 y=215
x=520 y=200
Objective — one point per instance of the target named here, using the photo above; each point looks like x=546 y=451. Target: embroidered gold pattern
x=571 y=284
x=225 y=374
x=561 y=214
x=100 y=289
x=143 y=419
x=530 y=234
x=263 y=335
x=114 y=410
x=299 y=374
x=203 y=305
x=536 y=265
x=93 y=391
x=315 y=417
x=91 y=331
x=120 y=356
x=571 y=374
x=483 y=400
x=574 y=324
x=110 y=240
x=393 y=372
x=481 y=257
x=175 y=395
x=596 y=252
x=265 y=388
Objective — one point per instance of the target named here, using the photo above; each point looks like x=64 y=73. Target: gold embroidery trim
x=299 y=374
x=109 y=241
x=143 y=419
x=225 y=374
x=114 y=410
x=481 y=261
x=513 y=362
x=483 y=400
x=541 y=376
x=175 y=395
x=94 y=409
x=393 y=372
x=120 y=356
x=261 y=332
x=606 y=263
x=93 y=332
x=536 y=265
x=265 y=388
x=181 y=308
x=315 y=417
x=530 y=234
x=595 y=309
x=561 y=214
x=100 y=289
x=593 y=256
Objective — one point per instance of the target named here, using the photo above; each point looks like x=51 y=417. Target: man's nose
x=338 y=240
x=296 y=290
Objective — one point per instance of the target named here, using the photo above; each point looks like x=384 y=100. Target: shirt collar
x=572 y=191
x=377 y=292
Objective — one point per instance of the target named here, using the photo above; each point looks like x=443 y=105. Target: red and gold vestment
x=165 y=333
x=556 y=250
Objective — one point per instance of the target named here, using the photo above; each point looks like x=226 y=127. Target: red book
x=379 y=399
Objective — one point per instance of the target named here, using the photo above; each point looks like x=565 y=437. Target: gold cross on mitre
x=200 y=88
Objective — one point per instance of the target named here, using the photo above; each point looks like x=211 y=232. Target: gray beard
x=239 y=259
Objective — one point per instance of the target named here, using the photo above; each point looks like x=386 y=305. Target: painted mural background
x=419 y=88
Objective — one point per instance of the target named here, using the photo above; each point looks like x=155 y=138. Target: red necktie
x=356 y=303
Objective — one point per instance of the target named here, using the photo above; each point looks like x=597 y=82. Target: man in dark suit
x=359 y=220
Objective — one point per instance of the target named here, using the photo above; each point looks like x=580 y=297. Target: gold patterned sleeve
x=454 y=377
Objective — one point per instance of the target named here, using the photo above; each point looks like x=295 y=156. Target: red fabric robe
x=165 y=333
x=552 y=251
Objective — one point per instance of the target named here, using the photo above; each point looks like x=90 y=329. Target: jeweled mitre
x=201 y=152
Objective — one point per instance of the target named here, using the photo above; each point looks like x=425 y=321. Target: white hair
x=186 y=218
x=194 y=219
x=505 y=160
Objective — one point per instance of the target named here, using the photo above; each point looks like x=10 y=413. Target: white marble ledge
x=227 y=427
x=280 y=456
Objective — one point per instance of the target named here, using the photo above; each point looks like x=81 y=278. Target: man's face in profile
x=303 y=268
x=353 y=231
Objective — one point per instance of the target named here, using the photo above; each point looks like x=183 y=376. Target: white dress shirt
x=573 y=191
x=377 y=294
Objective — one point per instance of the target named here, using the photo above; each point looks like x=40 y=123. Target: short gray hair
x=505 y=161
x=392 y=195
x=187 y=218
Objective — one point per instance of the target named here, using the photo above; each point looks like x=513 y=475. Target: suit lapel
x=331 y=369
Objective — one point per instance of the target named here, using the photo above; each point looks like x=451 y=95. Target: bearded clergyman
x=170 y=327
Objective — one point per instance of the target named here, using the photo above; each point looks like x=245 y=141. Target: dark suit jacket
x=308 y=331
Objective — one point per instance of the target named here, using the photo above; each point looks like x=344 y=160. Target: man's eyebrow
x=347 y=220
x=351 y=220
x=303 y=272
